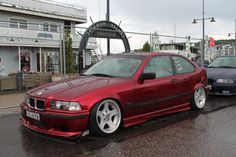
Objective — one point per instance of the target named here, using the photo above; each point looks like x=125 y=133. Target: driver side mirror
x=147 y=76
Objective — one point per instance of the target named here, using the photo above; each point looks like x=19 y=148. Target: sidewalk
x=10 y=103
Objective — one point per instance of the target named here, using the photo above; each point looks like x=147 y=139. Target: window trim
x=54 y=30
x=17 y=21
x=49 y=24
x=174 y=66
x=44 y=26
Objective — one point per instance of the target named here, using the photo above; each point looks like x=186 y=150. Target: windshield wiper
x=226 y=67
x=102 y=75
x=212 y=67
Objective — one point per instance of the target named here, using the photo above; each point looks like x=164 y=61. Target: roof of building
x=46 y=8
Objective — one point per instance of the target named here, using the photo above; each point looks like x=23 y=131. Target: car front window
x=116 y=66
x=224 y=62
x=160 y=65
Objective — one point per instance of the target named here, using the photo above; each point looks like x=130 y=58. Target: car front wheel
x=105 y=118
x=198 y=99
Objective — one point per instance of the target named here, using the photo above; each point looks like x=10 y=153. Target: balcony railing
x=47 y=7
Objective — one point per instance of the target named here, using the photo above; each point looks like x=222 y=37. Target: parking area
x=210 y=132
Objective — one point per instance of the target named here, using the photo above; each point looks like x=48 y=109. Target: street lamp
x=203 y=31
x=234 y=37
x=108 y=19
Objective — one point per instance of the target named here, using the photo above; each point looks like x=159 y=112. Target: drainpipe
x=19 y=59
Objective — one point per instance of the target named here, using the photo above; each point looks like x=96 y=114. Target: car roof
x=145 y=54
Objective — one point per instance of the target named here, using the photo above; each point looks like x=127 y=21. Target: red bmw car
x=121 y=90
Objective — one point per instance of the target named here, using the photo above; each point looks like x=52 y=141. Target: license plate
x=33 y=115
x=225 y=91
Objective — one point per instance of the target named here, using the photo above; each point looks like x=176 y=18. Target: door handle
x=186 y=79
x=173 y=81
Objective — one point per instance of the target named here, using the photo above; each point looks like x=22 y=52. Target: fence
x=22 y=82
x=23 y=47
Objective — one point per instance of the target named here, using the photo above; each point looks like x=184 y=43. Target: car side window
x=182 y=65
x=160 y=65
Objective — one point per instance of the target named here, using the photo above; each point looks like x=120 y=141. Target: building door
x=25 y=61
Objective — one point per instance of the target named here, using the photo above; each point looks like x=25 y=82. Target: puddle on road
x=36 y=144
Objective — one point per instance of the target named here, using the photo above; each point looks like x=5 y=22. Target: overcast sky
x=161 y=15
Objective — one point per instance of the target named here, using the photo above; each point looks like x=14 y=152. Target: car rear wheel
x=198 y=99
x=105 y=118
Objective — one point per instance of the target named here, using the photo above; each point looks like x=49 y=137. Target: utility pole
x=108 y=19
x=203 y=35
x=203 y=31
x=235 y=37
x=234 y=41
x=174 y=32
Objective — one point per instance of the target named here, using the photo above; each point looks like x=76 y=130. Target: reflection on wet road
x=210 y=132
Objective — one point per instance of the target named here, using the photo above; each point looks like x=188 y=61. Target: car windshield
x=116 y=66
x=224 y=62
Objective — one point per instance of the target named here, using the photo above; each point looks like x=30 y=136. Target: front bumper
x=66 y=125
x=223 y=89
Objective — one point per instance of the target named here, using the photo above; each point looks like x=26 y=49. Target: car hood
x=221 y=73
x=73 y=88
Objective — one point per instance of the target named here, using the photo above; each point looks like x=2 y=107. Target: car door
x=184 y=73
x=157 y=94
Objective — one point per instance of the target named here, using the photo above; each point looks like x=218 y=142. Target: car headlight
x=27 y=99
x=225 y=81
x=63 y=105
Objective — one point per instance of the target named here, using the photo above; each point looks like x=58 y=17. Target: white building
x=31 y=31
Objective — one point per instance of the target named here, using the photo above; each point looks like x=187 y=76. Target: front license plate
x=33 y=115
x=225 y=91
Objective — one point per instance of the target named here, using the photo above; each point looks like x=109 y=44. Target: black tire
x=198 y=101
x=103 y=117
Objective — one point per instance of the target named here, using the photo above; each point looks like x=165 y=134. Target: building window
x=49 y=27
x=18 y=23
x=45 y=27
x=53 y=28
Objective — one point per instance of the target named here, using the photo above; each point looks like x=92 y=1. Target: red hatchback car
x=120 y=90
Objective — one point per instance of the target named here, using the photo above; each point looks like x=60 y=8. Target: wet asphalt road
x=211 y=132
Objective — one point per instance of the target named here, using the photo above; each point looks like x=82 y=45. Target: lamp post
x=234 y=37
x=108 y=19
x=203 y=31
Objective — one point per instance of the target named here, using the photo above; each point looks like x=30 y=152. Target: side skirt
x=144 y=117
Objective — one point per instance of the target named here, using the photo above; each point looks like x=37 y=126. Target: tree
x=69 y=52
x=146 y=47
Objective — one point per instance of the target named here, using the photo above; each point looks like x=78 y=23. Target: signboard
x=212 y=42
x=105 y=34
x=105 y=29
x=101 y=29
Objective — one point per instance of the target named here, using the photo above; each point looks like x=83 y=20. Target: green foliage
x=69 y=52
x=146 y=47
x=225 y=42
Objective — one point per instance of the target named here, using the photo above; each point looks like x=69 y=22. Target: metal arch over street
x=102 y=29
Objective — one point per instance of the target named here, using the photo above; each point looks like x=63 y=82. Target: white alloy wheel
x=108 y=116
x=200 y=97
